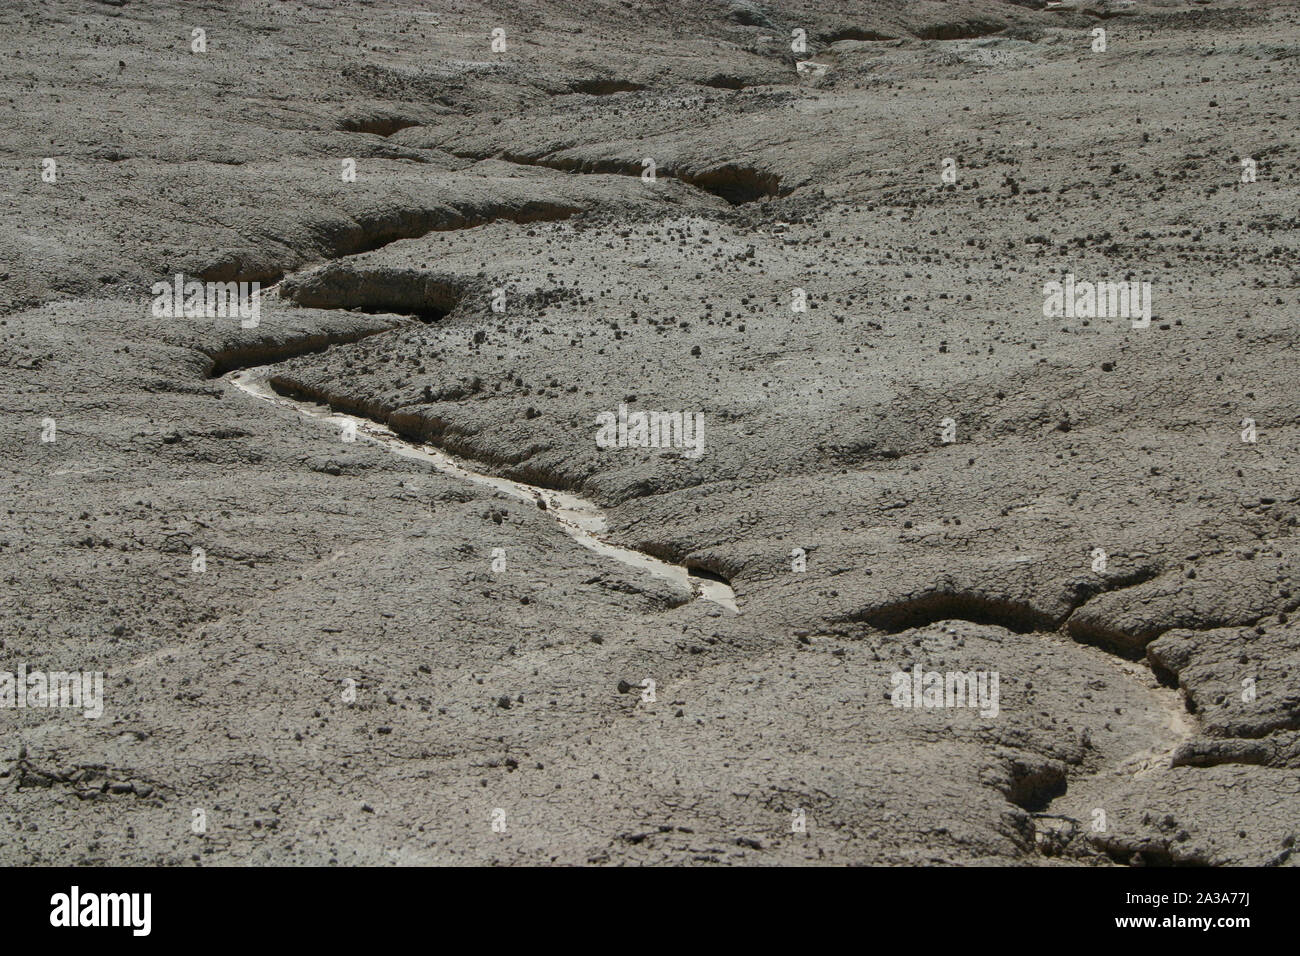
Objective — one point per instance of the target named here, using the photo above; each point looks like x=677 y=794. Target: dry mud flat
x=384 y=662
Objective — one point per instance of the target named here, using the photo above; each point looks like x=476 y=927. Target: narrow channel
x=581 y=519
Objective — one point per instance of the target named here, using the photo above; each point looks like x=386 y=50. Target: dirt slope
x=379 y=661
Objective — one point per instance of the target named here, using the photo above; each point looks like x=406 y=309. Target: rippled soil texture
x=383 y=662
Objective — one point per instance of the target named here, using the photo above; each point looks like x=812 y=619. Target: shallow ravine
x=581 y=519
x=1076 y=810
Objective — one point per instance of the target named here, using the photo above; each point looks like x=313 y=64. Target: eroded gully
x=580 y=519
